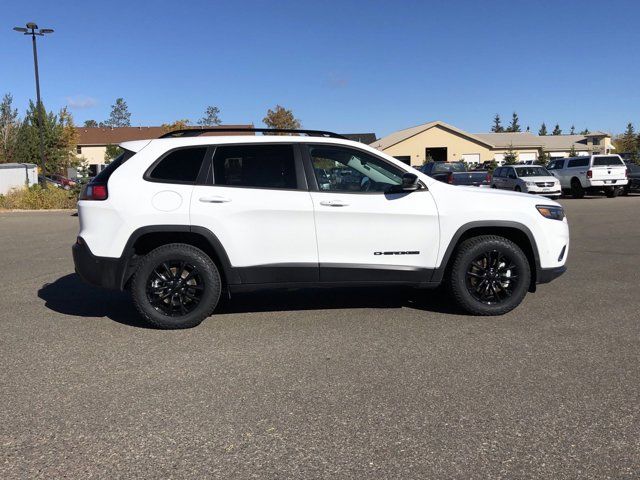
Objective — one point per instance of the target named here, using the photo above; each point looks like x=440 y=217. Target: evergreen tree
x=211 y=117
x=628 y=143
x=90 y=123
x=497 y=125
x=543 y=129
x=120 y=116
x=9 y=125
x=281 y=117
x=557 y=130
x=572 y=151
x=585 y=132
x=514 y=126
x=510 y=156
x=543 y=158
x=573 y=130
x=59 y=140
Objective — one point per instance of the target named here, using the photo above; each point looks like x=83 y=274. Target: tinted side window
x=578 y=162
x=498 y=172
x=260 y=166
x=180 y=166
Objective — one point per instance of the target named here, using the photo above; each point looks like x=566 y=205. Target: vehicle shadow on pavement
x=69 y=295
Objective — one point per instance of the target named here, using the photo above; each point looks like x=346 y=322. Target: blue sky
x=347 y=66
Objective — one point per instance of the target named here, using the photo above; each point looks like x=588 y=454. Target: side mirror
x=409 y=184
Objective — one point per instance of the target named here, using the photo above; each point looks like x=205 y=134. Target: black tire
x=576 y=188
x=518 y=189
x=176 y=286
x=625 y=190
x=505 y=277
x=611 y=192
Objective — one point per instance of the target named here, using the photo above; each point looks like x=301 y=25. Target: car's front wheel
x=176 y=286
x=490 y=275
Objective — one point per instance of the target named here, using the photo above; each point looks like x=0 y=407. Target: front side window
x=179 y=166
x=257 y=166
x=532 y=172
x=339 y=169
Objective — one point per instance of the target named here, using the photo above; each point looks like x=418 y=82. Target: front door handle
x=334 y=203
x=215 y=199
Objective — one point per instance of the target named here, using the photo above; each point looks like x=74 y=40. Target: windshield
x=443 y=167
x=607 y=161
x=533 y=172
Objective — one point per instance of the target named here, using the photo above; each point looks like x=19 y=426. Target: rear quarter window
x=103 y=176
x=178 y=166
x=578 y=162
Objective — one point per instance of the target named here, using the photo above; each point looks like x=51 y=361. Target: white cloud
x=81 y=101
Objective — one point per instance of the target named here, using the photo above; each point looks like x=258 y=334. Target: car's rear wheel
x=576 y=189
x=625 y=190
x=490 y=275
x=518 y=189
x=176 y=286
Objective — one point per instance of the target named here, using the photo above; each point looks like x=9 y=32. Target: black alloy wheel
x=175 y=288
x=491 y=277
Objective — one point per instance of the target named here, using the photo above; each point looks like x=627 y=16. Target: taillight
x=94 y=191
x=626 y=173
x=488 y=177
x=589 y=174
x=450 y=177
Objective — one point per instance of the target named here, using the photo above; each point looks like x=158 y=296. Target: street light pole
x=31 y=30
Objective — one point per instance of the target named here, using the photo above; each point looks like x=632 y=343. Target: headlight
x=550 y=211
x=530 y=184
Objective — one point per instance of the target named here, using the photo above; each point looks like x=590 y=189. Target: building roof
x=506 y=139
x=366 y=138
x=114 y=136
x=402 y=135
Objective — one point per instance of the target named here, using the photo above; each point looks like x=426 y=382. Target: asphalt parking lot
x=324 y=384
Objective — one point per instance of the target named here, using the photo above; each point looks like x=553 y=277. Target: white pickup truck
x=595 y=173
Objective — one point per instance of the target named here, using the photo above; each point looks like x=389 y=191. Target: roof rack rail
x=196 y=132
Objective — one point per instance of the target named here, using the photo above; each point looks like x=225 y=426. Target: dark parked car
x=633 y=174
x=456 y=173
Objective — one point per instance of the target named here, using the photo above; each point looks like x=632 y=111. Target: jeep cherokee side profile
x=179 y=220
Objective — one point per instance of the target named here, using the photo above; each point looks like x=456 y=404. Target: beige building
x=442 y=142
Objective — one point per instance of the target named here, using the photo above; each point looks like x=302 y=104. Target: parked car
x=456 y=173
x=179 y=220
x=593 y=174
x=528 y=179
x=49 y=181
x=633 y=176
x=65 y=182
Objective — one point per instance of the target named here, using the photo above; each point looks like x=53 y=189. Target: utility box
x=17 y=175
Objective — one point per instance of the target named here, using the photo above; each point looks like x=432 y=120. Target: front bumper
x=546 y=275
x=100 y=271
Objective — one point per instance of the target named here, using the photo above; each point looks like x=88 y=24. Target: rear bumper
x=546 y=275
x=607 y=183
x=100 y=271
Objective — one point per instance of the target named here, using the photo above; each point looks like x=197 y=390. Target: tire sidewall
x=207 y=270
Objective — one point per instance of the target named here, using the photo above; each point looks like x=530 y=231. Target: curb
x=52 y=210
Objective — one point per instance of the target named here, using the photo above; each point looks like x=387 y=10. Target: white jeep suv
x=179 y=220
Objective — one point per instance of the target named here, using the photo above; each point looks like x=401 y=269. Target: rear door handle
x=215 y=199
x=334 y=203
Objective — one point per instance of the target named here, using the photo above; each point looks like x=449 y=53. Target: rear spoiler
x=135 y=145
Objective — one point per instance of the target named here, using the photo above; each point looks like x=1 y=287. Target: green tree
x=9 y=126
x=573 y=130
x=120 y=116
x=543 y=158
x=514 y=126
x=280 y=117
x=211 y=117
x=111 y=152
x=585 y=132
x=510 y=156
x=59 y=140
x=543 y=130
x=628 y=143
x=556 y=130
x=177 y=125
x=497 y=125
x=573 y=152
x=90 y=123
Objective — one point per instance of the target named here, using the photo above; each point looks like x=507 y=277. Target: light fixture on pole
x=33 y=30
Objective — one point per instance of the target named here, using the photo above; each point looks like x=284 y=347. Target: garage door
x=471 y=157
x=526 y=157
